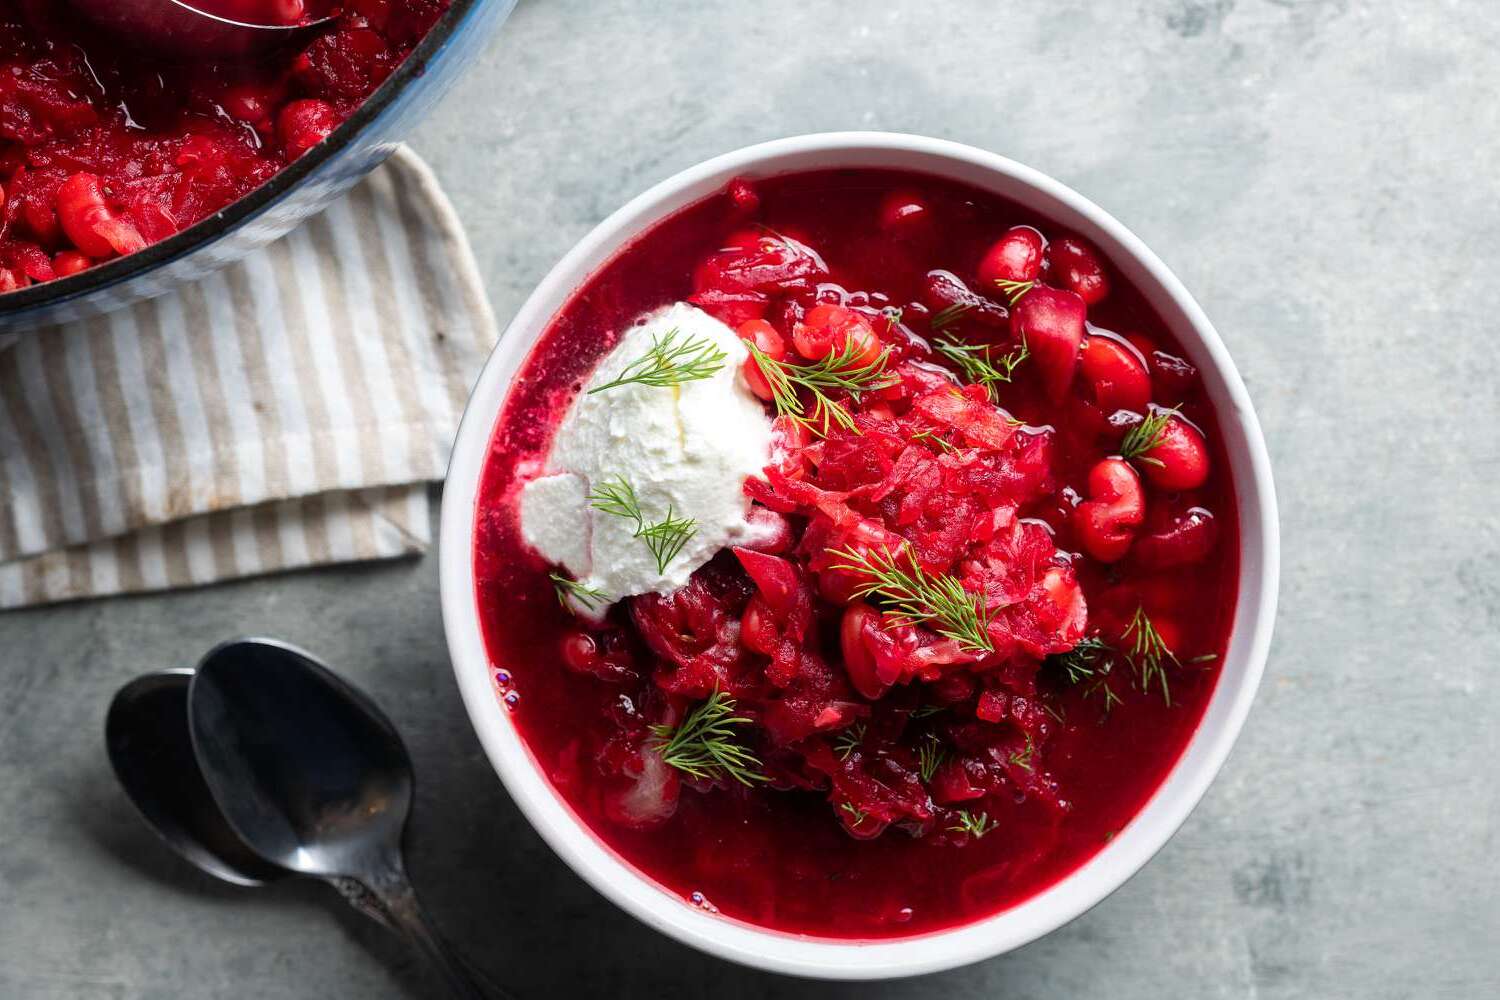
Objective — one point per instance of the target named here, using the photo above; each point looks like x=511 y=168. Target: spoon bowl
x=179 y=27
x=312 y=777
x=151 y=750
x=146 y=737
x=306 y=768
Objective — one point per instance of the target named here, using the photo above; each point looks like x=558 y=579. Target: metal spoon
x=312 y=777
x=146 y=736
x=180 y=27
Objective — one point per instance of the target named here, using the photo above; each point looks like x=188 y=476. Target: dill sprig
x=929 y=756
x=855 y=813
x=936 y=599
x=974 y=824
x=1090 y=662
x=1014 y=290
x=1100 y=686
x=928 y=434
x=978 y=365
x=1149 y=654
x=1146 y=435
x=1083 y=660
x=704 y=745
x=1022 y=758
x=668 y=362
x=664 y=538
x=836 y=372
x=923 y=711
x=948 y=315
x=589 y=597
x=616 y=496
x=849 y=740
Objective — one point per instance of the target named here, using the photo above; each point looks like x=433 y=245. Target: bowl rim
x=119 y=270
x=1147 y=831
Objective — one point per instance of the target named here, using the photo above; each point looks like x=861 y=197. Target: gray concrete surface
x=1321 y=176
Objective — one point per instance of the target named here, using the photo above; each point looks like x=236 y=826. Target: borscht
x=106 y=148
x=856 y=553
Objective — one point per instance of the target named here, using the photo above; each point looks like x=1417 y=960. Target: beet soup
x=966 y=617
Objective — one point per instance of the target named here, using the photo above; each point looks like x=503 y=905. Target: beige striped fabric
x=284 y=412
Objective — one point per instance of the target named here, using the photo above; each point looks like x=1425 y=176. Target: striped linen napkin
x=284 y=412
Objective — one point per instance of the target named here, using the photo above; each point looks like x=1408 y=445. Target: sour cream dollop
x=688 y=447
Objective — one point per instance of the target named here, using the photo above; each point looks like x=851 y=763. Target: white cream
x=689 y=446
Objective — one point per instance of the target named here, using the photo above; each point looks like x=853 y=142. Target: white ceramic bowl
x=1168 y=807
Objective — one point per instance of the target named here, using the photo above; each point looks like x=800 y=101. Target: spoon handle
x=364 y=901
x=399 y=900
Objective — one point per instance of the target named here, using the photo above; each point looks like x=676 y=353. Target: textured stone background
x=1321 y=176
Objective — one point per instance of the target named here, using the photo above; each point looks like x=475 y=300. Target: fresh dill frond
x=1089 y=663
x=923 y=711
x=977 y=365
x=893 y=316
x=1149 y=654
x=931 y=435
x=974 y=824
x=1083 y=660
x=670 y=362
x=1022 y=758
x=916 y=596
x=1056 y=713
x=929 y=757
x=616 y=496
x=1146 y=435
x=1100 y=686
x=849 y=740
x=705 y=744
x=948 y=315
x=1205 y=658
x=1014 y=290
x=855 y=813
x=589 y=597
x=839 y=371
x=665 y=538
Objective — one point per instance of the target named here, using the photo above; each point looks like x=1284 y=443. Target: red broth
x=784 y=858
